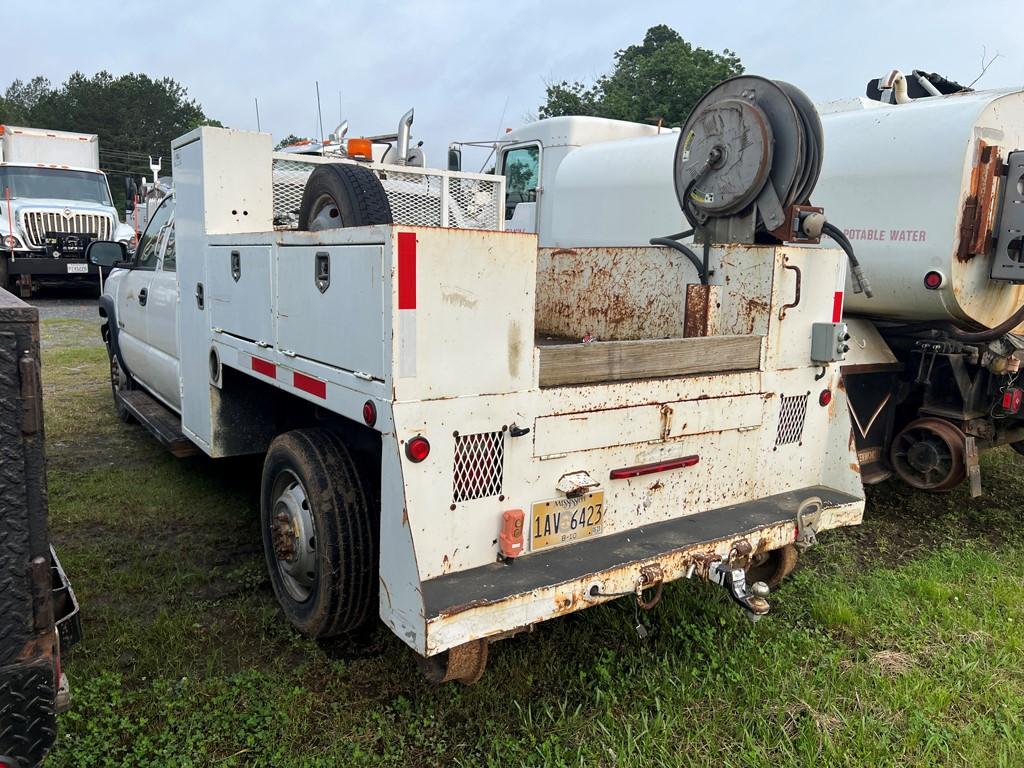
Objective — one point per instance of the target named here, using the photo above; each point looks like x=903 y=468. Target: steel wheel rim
x=293 y=536
x=928 y=454
x=326 y=214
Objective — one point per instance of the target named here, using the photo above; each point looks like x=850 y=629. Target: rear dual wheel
x=320 y=536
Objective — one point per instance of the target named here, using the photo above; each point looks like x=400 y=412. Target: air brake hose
x=860 y=280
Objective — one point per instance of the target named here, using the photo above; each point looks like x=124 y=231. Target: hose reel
x=748 y=158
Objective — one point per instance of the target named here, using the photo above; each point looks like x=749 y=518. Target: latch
x=236 y=265
x=200 y=301
x=32 y=407
x=323 y=271
x=807 y=517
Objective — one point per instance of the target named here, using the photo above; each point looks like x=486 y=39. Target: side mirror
x=454 y=159
x=105 y=253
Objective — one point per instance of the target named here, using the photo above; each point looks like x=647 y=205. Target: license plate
x=78 y=269
x=560 y=521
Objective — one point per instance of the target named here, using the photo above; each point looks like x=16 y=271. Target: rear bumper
x=498 y=599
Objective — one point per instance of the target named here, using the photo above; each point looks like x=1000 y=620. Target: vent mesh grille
x=479 y=465
x=792 y=412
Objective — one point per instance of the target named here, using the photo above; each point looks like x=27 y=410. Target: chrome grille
x=35 y=225
x=792 y=413
x=479 y=465
x=424 y=197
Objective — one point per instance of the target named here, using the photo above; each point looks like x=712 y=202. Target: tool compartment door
x=240 y=291
x=330 y=306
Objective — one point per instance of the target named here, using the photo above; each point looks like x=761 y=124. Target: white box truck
x=53 y=201
x=447 y=445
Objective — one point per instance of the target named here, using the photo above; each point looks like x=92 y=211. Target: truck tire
x=319 y=536
x=120 y=381
x=341 y=195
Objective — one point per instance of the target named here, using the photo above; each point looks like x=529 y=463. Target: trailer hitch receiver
x=752 y=598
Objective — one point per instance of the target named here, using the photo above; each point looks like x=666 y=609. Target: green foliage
x=661 y=78
x=134 y=115
x=896 y=643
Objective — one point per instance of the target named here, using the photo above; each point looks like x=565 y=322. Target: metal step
x=161 y=421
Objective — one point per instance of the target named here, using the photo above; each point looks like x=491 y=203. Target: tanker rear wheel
x=928 y=454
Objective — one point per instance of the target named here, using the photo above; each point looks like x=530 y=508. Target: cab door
x=162 y=321
x=133 y=303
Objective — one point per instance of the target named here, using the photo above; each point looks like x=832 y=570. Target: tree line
x=134 y=115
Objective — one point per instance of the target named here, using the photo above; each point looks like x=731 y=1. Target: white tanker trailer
x=930 y=194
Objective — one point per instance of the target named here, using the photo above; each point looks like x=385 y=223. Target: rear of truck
x=550 y=428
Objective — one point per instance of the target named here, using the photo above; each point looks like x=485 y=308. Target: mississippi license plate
x=560 y=521
x=78 y=269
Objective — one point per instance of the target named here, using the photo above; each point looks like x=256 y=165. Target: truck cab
x=54 y=200
x=142 y=295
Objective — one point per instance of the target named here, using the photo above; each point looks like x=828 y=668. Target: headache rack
x=423 y=197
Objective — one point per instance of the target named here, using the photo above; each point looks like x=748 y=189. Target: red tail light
x=369 y=413
x=417 y=449
x=825 y=397
x=657 y=466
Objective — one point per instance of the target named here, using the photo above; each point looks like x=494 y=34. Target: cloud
x=459 y=63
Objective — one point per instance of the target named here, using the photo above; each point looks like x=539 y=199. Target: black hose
x=989 y=333
x=860 y=280
x=677 y=246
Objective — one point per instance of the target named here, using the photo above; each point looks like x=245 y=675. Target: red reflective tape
x=309 y=384
x=265 y=367
x=837 y=307
x=407 y=270
x=657 y=466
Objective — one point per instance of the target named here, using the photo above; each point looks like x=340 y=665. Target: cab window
x=169 y=263
x=521 y=169
x=148 y=251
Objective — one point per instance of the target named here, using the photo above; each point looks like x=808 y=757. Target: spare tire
x=342 y=195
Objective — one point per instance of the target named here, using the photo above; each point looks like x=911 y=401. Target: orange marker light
x=362 y=148
x=511 y=540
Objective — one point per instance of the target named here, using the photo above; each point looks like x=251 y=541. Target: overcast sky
x=471 y=69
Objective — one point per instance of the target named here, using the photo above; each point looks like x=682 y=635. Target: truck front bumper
x=499 y=599
x=46 y=266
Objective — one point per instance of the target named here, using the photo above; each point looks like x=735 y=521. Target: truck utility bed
x=645 y=443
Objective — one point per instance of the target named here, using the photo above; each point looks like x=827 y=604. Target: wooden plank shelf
x=606 y=361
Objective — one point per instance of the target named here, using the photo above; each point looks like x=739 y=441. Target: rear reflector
x=657 y=466
x=417 y=449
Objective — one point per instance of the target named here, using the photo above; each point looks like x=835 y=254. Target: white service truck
x=467 y=434
x=54 y=200
x=928 y=191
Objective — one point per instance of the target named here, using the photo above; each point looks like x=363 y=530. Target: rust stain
x=979 y=206
x=515 y=345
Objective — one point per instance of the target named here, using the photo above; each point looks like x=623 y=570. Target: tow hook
x=752 y=599
x=807 y=515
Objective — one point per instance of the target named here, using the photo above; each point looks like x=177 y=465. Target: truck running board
x=161 y=421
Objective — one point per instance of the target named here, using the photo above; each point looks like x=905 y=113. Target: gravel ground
x=68 y=317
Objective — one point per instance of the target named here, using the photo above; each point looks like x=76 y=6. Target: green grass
x=896 y=643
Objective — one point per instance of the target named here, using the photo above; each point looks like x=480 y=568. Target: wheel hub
x=929 y=454
x=294 y=537
x=326 y=214
x=923 y=456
